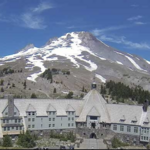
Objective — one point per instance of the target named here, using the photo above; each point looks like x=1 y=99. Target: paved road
x=93 y=144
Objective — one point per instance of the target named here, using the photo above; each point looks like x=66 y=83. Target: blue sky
x=122 y=24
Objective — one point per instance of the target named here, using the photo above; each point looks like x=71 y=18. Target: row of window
x=145 y=130
x=50 y=125
x=51 y=113
x=128 y=128
x=31 y=113
x=12 y=128
x=6 y=113
x=70 y=113
x=70 y=119
x=51 y=119
x=144 y=138
x=29 y=126
x=33 y=119
x=10 y=121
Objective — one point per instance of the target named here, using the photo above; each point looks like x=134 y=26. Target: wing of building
x=92 y=113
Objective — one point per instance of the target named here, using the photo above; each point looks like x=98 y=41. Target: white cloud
x=71 y=27
x=97 y=32
x=3 y=19
x=122 y=40
x=135 y=18
x=42 y=7
x=103 y=35
x=134 y=5
x=140 y=23
x=29 y=20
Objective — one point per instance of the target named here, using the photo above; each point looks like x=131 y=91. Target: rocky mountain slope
x=80 y=53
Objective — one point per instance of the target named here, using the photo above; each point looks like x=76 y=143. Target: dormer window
x=146 y=121
x=134 y=120
x=122 y=119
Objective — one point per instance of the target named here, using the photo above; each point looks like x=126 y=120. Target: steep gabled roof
x=94 y=100
x=30 y=108
x=51 y=108
x=93 y=112
x=70 y=108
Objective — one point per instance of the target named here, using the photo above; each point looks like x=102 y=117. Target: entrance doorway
x=93 y=125
x=93 y=136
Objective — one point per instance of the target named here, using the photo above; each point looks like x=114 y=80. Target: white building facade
x=90 y=115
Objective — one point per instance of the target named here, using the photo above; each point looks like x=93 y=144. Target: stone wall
x=131 y=139
x=100 y=133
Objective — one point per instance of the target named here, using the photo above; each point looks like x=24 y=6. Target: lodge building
x=89 y=117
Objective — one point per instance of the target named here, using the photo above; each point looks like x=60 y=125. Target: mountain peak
x=27 y=47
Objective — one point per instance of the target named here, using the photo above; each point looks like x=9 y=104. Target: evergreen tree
x=33 y=95
x=26 y=140
x=2 y=82
x=69 y=95
x=25 y=84
x=54 y=91
x=13 y=85
x=2 y=89
x=7 y=141
x=83 y=90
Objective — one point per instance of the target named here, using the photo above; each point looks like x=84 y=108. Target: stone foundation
x=100 y=133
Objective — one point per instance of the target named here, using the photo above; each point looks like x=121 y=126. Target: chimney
x=10 y=105
x=145 y=105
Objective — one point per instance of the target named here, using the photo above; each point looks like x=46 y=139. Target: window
x=53 y=125
x=16 y=128
x=49 y=119
x=15 y=113
x=6 y=113
x=61 y=118
x=128 y=129
x=3 y=121
x=8 y=128
x=33 y=126
x=29 y=126
x=72 y=119
x=4 y=128
x=7 y=121
x=72 y=113
x=61 y=124
x=33 y=119
x=115 y=127
x=68 y=124
x=69 y=119
x=29 y=113
x=68 y=113
x=19 y=121
x=53 y=113
x=72 y=124
x=29 y=119
x=53 y=119
x=20 y=128
x=135 y=129
x=12 y=128
x=121 y=128
x=33 y=113
x=49 y=113
x=93 y=118
x=49 y=125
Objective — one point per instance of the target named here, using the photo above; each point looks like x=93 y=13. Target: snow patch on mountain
x=102 y=58
x=147 y=61
x=101 y=78
x=120 y=63
x=134 y=63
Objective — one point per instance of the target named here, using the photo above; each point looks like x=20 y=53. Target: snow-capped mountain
x=82 y=54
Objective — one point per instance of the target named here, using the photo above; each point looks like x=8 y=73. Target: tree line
x=121 y=91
